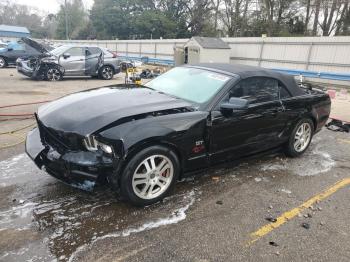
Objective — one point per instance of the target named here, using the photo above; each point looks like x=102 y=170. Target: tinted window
x=256 y=89
x=75 y=51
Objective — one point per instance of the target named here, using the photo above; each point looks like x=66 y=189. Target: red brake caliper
x=164 y=174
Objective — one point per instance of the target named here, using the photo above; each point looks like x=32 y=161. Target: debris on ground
x=338 y=125
x=272 y=243
x=257 y=179
x=215 y=178
x=271 y=219
x=219 y=202
x=308 y=215
x=286 y=191
x=305 y=225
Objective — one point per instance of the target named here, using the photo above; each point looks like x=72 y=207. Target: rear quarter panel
x=316 y=106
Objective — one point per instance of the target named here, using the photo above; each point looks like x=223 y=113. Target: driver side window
x=256 y=90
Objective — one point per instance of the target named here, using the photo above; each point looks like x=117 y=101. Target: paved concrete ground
x=224 y=214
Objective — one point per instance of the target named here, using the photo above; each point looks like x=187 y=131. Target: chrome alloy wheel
x=107 y=72
x=53 y=74
x=302 y=137
x=152 y=177
x=2 y=62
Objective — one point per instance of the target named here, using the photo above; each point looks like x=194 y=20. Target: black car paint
x=131 y=119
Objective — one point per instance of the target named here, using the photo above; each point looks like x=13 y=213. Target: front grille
x=59 y=140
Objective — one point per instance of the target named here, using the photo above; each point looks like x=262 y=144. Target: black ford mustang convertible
x=141 y=140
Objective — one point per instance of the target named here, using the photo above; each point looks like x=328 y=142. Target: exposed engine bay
x=40 y=65
x=68 y=60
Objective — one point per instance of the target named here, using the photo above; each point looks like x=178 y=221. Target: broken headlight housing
x=92 y=144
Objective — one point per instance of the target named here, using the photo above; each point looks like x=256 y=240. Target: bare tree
x=307 y=3
x=316 y=17
x=198 y=15
x=216 y=8
x=343 y=24
x=235 y=16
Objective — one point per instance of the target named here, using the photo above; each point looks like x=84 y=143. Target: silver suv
x=69 y=60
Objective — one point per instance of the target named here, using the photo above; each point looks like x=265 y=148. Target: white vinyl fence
x=323 y=58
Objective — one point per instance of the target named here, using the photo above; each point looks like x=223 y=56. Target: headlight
x=106 y=148
x=92 y=144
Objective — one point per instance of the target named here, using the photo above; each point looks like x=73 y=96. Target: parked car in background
x=141 y=140
x=11 y=51
x=2 y=45
x=68 y=60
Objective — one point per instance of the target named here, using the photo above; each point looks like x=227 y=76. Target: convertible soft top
x=245 y=71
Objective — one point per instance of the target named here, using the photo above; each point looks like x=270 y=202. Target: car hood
x=90 y=111
x=34 y=44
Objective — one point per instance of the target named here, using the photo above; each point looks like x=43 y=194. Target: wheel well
x=109 y=66
x=147 y=144
x=4 y=58
x=311 y=117
x=314 y=122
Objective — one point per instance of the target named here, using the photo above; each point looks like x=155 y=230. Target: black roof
x=211 y=42
x=245 y=71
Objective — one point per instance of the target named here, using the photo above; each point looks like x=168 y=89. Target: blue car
x=13 y=50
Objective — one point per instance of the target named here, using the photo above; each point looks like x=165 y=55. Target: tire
x=300 y=138
x=53 y=73
x=142 y=185
x=3 y=62
x=106 y=72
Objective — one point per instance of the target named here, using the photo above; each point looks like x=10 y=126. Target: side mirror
x=10 y=49
x=66 y=55
x=234 y=104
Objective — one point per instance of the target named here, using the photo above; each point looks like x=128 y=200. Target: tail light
x=115 y=55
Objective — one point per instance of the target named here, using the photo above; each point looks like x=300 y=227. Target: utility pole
x=66 y=18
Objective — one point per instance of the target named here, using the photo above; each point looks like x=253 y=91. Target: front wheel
x=106 y=72
x=300 y=138
x=150 y=175
x=3 y=62
x=53 y=74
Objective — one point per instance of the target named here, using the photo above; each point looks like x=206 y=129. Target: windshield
x=59 y=50
x=192 y=84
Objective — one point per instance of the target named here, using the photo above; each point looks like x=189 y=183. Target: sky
x=49 y=6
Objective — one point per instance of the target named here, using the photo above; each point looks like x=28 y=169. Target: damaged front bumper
x=23 y=68
x=80 y=169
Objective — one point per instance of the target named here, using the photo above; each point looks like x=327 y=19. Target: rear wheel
x=150 y=175
x=3 y=62
x=300 y=138
x=106 y=72
x=53 y=74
